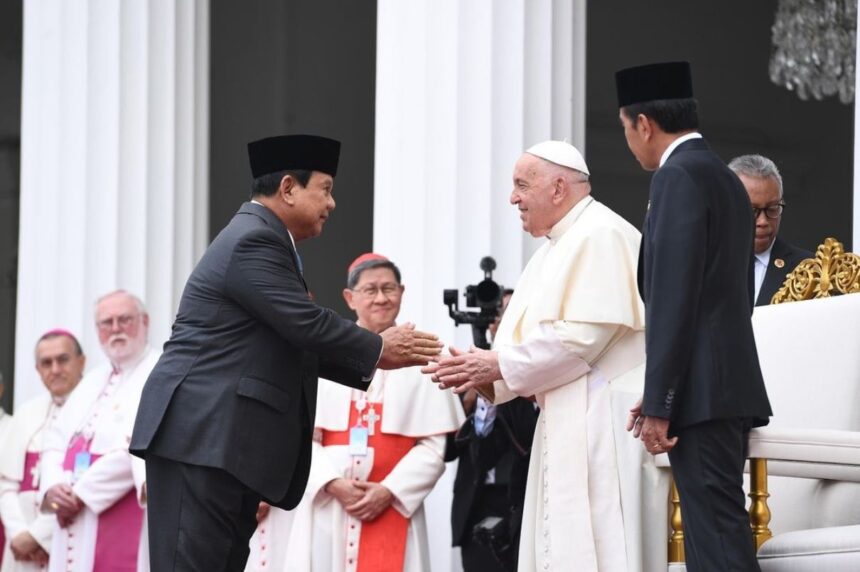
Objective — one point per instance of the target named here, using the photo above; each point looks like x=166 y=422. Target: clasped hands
x=360 y=499
x=61 y=500
x=653 y=431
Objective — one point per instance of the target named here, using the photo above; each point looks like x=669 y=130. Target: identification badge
x=82 y=463
x=358 y=441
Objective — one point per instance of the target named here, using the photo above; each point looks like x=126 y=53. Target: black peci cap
x=669 y=80
x=293 y=152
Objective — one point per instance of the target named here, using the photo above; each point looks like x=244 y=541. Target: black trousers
x=707 y=464
x=200 y=518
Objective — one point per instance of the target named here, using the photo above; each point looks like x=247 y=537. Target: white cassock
x=269 y=543
x=415 y=418
x=573 y=330
x=5 y=430
x=19 y=479
x=100 y=413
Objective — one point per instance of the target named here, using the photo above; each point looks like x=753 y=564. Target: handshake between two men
x=404 y=346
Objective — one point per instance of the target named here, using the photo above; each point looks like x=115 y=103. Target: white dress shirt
x=761 y=262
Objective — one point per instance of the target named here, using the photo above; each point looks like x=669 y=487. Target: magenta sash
x=118 y=533
x=31 y=460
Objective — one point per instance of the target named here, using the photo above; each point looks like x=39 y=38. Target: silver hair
x=757 y=166
x=141 y=309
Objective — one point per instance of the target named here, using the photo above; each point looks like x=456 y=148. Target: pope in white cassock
x=88 y=478
x=573 y=330
x=60 y=363
x=376 y=456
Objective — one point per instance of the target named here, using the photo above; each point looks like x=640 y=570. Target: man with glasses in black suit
x=774 y=258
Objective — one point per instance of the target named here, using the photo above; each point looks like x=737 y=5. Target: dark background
x=728 y=44
x=304 y=66
x=10 y=152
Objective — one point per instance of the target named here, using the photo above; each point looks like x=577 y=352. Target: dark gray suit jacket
x=236 y=385
x=695 y=277
x=775 y=276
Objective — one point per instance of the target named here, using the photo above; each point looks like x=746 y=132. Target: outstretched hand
x=404 y=346
x=463 y=371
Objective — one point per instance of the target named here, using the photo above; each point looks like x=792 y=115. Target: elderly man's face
x=533 y=195
x=122 y=328
x=313 y=206
x=59 y=365
x=376 y=298
x=763 y=192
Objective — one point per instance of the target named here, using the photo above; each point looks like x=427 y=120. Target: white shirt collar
x=764 y=257
x=674 y=144
x=293 y=240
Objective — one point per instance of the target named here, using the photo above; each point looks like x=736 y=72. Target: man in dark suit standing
x=774 y=258
x=226 y=416
x=703 y=384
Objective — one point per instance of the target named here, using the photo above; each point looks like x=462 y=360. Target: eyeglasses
x=771 y=212
x=123 y=322
x=388 y=290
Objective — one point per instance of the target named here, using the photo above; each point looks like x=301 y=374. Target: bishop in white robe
x=60 y=363
x=87 y=449
x=573 y=329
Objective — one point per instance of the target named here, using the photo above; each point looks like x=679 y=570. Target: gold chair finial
x=831 y=270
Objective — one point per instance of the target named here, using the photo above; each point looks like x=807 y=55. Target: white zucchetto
x=560 y=153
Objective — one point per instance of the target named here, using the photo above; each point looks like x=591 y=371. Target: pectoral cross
x=371 y=418
x=34 y=474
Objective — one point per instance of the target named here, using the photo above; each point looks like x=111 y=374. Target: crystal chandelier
x=814 y=48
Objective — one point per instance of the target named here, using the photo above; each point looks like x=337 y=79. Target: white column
x=463 y=88
x=114 y=163
x=855 y=221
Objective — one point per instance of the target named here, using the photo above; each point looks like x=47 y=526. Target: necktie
x=299 y=263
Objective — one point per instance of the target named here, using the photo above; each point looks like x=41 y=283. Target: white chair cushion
x=834 y=549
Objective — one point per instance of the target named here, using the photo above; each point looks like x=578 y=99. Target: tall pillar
x=462 y=89
x=114 y=163
x=855 y=220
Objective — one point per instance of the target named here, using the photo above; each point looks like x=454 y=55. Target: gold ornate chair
x=805 y=466
x=810 y=356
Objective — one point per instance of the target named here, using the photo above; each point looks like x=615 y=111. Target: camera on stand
x=486 y=296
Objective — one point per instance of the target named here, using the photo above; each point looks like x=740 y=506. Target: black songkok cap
x=293 y=152
x=670 y=80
